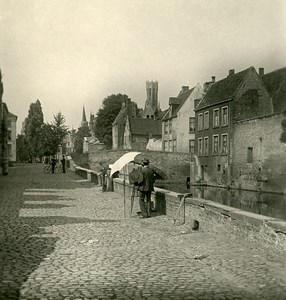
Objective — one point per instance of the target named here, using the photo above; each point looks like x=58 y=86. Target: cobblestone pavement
x=62 y=238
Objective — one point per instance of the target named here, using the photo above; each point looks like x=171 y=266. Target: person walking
x=146 y=186
x=53 y=163
x=63 y=161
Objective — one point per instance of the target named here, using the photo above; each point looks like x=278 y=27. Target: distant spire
x=83 y=115
x=84 y=121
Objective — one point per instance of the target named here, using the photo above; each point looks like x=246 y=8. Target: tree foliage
x=22 y=149
x=52 y=135
x=106 y=115
x=35 y=120
x=79 y=137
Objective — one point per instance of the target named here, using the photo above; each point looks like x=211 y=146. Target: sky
x=70 y=53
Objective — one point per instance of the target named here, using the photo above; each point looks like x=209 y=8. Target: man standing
x=63 y=161
x=54 y=162
x=146 y=186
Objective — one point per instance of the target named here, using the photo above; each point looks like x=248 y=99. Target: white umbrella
x=119 y=164
x=123 y=161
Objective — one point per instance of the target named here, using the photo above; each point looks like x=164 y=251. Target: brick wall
x=268 y=169
x=175 y=165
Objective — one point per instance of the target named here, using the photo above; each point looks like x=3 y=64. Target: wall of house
x=213 y=168
x=12 y=140
x=114 y=137
x=252 y=99
x=267 y=171
x=185 y=112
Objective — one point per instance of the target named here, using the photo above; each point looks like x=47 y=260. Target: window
x=170 y=145
x=216 y=117
x=224 y=144
x=192 y=146
x=206 y=146
x=192 y=126
x=200 y=122
x=200 y=146
x=166 y=127
x=206 y=120
x=225 y=116
x=250 y=154
x=9 y=135
x=215 y=144
x=218 y=168
x=9 y=123
x=170 y=126
x=165 y=145
x=174 y=145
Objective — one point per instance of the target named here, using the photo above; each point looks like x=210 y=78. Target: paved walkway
x=65 y=239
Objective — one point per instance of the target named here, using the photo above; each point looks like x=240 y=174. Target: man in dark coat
x=146 y=186
x=63 y=161
x=53 y=162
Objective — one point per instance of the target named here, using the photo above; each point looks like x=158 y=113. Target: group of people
x=54 y=162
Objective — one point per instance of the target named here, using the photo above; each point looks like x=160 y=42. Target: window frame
x=206 y=146
x=213 y=143
x=200 y=149
x=218 y=119
x=200 y=122
x=192 y=121
x=222 y=116
x=174 y=145
x=222 y=141
x=206 y=122
x=192 y=146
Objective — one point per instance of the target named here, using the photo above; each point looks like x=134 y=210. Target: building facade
x=239 y=96
x=11 y=128
x=178 y=123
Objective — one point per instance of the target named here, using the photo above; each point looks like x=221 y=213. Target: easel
x=182 y=204
x=133 y=195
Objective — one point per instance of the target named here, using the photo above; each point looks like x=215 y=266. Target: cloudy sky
x=70 y=53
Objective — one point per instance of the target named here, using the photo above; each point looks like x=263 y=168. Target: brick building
x=239 y=96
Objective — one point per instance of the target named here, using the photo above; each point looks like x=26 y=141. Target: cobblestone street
x=63 y=238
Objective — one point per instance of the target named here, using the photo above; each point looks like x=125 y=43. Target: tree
x=81 y=133
x=35 y=120
x=52 y=135
x=22 y=149
x=106 y=115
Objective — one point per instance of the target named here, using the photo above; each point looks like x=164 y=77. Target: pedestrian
x=53 y=163
x=146 y=186
x=63 y=161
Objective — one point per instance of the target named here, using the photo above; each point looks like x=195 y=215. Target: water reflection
x=268 y=204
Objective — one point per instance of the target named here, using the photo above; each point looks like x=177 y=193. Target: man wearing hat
x=146 y=186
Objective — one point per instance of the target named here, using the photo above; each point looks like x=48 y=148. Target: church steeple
x=84 y=122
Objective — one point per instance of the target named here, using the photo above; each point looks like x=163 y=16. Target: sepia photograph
x=142 y=149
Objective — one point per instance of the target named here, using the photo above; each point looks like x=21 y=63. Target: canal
x=268 y=204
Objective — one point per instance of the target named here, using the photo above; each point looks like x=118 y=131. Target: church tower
x=84 y=122
x=151 y=105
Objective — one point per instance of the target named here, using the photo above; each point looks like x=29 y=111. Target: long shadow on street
x=24 y=243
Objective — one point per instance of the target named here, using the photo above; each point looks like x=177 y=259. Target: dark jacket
x=147 y=183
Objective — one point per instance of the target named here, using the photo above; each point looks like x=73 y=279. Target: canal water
x=268 y=204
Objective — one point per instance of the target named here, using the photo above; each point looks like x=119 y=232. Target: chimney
x=185 y=88
x=261 y=71
x=231 y=72
x=213 y=78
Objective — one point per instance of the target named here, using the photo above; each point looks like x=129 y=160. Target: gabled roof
x=10 y=115
x=224 y=89
x=177 y=103
x=145 y=126
x=275 y=83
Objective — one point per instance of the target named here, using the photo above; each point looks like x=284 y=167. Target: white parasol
x=123 y=161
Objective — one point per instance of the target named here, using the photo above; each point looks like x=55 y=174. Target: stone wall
x=175 y=165
x=268 y=169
